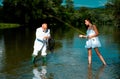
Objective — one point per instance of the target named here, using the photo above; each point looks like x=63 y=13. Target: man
x=42 y=36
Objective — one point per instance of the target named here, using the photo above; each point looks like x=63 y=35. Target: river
x=67 y=61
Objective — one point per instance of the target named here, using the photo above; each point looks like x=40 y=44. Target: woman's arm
x=96 y=31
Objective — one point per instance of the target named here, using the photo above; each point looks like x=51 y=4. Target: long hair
x=90 y=21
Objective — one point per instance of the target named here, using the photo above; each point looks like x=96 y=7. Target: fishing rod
x=51 y=42
x=69 y=25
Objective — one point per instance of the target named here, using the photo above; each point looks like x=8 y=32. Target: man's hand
x=46 y=37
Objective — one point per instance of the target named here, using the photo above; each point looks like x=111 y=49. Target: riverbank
x=8 y=25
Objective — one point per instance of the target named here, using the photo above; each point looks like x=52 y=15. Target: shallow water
x=68 y=61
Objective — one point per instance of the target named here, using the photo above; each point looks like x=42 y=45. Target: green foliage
x=8 y=25
x=29 y=11
x=35 y=12
x=115 y=6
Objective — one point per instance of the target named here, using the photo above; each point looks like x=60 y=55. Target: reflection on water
x=40 y=74
x=2 y=52
x=97 y=74
x=40 y=71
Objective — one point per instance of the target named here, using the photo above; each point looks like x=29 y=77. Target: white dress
x=93 y=42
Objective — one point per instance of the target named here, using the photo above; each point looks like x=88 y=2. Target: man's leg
x=34 y=55
x=43 y=53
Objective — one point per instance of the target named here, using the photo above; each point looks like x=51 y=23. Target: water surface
x=68 y=61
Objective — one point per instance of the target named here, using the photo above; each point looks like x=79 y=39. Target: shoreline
x=8 y=25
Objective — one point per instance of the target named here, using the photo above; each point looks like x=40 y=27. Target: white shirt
x=40 y=34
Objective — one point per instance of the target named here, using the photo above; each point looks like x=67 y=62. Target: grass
x=8 y=25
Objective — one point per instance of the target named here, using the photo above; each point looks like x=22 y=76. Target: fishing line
x=52 y=42
x=67 y=24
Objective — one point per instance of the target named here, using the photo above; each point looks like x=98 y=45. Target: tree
x=29 y=11
x=69 y=5
x=116 y=10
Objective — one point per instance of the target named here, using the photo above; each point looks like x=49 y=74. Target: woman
x=92 y=41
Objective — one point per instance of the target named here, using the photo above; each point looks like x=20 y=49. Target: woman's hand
x=81 y=36
x=90 y=36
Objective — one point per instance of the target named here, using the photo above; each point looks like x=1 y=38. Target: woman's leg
x=99 y=55
x=89 y=55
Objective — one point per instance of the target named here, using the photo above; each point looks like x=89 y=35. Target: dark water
x=68 y=61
